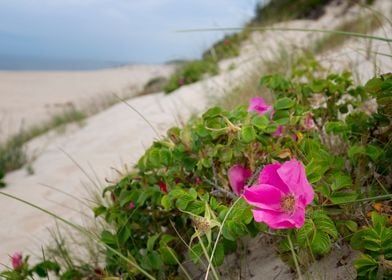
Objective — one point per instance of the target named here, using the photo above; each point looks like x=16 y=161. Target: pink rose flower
x=257 y=104
x=131 y=205
x=281 y=195
x=237 y=177
x=309 y=123
x=278 y=131
x=17 y=260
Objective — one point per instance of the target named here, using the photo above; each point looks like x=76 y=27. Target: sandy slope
x=28 y=97
x=117 y=136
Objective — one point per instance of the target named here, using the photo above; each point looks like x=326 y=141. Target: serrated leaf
x=325 y=224
x=183 y=201
x=151 y=242
x=248 y=134
x=305 y=233
x=343 y=197
x=166 y=202
x=374 y=152
x=335 y=127
x=284 y=103
x=341 y=181
x=321 y=243
x=261 y=122
x=196 y=207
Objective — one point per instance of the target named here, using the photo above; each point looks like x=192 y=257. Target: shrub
x=191 y=72
x=179 y=199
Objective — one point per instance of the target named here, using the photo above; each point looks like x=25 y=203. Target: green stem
x=380 y=197
x=218 y=236
x=294 y=258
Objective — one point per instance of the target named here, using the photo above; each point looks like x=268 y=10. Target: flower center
x=288 y=203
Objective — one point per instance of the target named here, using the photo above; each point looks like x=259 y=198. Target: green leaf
x=154 y=260
x=183 y=201
x=341 y=181
x=284 y=103
x=261 y=122
x=357 y=239
x=44 y=267
x=325 y=224
x=196 y=252
x=212 y=112
x=99 y=210
x=366 y=266
x=151 y=242
x=351 y=225
x=169 y=256
x=248 y=134
x=321 y=243
x=124 y=234
x=153 y=157
x=373 y=85
x=374 y=152
x=335 y=127
x=219 y=255
x=343 y=197
x=166 y=202
x=305 y=233
x=196 y=207
x=356 y=150
x=282 y=117
x=108 y=238
x=379 y=221
x=165 y=157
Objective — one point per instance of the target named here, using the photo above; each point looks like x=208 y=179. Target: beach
x=33 y=97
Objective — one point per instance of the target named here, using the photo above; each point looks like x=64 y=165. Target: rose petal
x=257 y=104
x=280 y=220
x=278 y=131
x=270 y=176
x=293 y=175
x=264 y=196
x=237 y=176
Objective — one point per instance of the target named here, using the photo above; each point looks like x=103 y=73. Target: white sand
x=28 y=97
x=114 y=137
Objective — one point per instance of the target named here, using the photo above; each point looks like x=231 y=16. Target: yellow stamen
x=288 y=203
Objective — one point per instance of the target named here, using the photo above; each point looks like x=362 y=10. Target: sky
x=134 y=31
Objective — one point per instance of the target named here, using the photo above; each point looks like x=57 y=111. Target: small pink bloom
x=237 y=177
x=309 y=123
x=163 y=187
x=257 y=104
x=278 y=131
x=131 y=205
x=281 y=195
x=17 y=260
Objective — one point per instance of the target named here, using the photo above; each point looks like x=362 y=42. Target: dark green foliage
x=279 y=10
x=228 y=47
x=191 y=72
x=376 y=244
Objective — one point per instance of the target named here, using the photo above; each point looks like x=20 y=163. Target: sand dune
x=28 y=98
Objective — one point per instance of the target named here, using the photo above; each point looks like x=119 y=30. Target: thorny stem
x=255 y=175
x=219 y=189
